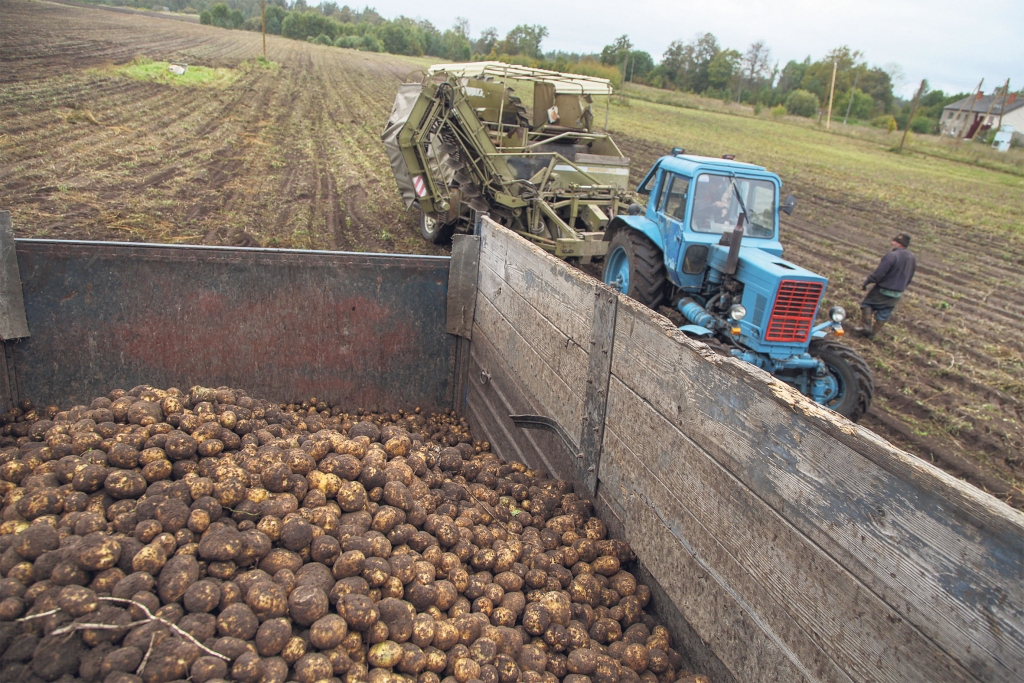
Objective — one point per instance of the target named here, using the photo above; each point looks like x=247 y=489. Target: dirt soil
x=291 y=157
x=284 y=157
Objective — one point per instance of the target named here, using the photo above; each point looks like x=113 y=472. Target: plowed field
x=287 y=156
x=290 y=157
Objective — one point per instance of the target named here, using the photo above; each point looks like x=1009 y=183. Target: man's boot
x=879 y=324
x=866 y=319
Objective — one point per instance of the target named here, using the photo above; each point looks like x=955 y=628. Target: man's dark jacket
x=895 y=271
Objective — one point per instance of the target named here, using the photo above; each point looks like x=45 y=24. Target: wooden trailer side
x=786 y=542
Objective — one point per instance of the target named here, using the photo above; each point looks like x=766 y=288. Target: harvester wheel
x=635 y=267
x=856 y=385
x=435 y=231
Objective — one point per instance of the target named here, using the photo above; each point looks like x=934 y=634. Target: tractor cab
x=693 y=201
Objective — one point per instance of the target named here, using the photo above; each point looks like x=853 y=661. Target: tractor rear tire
x=435 y=231
x=635 y=267
x=856 y=385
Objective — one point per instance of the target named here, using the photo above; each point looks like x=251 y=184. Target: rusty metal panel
x=357 y=330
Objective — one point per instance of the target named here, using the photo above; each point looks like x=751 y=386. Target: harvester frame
x=460 y=142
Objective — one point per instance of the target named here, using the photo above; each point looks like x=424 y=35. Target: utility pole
x=849 y=106
x=831 y=93
x=959 y=111
x=974 y=99
x=1002 y=107
x=913 y=110
x=995 y=96
x=263 y=17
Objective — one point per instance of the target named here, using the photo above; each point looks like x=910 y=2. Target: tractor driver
x=712 y=202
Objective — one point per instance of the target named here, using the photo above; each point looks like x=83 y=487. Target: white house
x=1010 y=108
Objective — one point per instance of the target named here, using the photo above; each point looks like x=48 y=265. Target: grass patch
x=858 y=169
x=144 y=69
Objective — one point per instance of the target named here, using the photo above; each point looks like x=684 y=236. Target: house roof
x=1012 y=102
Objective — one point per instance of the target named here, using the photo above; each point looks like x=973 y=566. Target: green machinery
x=462 y=140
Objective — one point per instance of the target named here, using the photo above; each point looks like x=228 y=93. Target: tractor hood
x=781 y=299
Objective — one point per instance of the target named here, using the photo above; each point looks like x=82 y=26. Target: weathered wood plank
x=908 y=543
x=599 y=372
x=462 y=278
x=13 y=324
x=564 y=356
x=560 y=293
x=738 y=634
x=494 y=394
x=547 y=390
x=801 y=594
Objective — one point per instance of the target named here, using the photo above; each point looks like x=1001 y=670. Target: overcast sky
x=951 y=43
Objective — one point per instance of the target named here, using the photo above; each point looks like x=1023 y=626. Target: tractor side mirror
x=789 y=204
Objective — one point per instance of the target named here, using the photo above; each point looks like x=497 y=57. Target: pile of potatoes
x=166 y=536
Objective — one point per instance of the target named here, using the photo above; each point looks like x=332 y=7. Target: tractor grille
x=793 y=314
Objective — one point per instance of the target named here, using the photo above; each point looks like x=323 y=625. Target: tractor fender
x=641 y=224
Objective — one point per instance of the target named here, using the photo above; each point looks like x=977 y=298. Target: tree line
x=700 y=65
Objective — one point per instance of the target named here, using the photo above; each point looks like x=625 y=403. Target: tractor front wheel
x=852 y=374
x=434 y=231
x=635 y=267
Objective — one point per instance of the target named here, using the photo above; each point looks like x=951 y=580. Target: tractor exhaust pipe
x=733 y=239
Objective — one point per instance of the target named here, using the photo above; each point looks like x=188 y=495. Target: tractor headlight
x=737 y=312
x=837 y=314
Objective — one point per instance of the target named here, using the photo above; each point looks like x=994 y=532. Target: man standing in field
x=891 y=278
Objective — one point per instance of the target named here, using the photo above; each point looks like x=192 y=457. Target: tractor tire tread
x=649 y=272
x=865 y=381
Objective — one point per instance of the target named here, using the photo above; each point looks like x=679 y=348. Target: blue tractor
x=706 y=252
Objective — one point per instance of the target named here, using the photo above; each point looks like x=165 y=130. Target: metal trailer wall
x=357 y=330
x=785 y=542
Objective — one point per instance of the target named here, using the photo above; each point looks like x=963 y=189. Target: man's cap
x=902 y=239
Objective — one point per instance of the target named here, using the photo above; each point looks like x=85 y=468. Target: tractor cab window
x=647 y=184
x=674 y=205
x=717 y=205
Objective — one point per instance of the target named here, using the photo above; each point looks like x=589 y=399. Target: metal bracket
x=546 y=423
x=599 y=372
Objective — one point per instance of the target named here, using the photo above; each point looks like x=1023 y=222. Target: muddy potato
x=77 y=601
x=123 y=484
x=237 y=621
x=386 y=654
x=306 y=604
x=207 y=668
x=267 y=600
x=36 y=540
x=296 y=534
x=272 y=636
x=313 y=667
x=328 y=632
x=636 y=657
x=351 y=495
x=150 y=559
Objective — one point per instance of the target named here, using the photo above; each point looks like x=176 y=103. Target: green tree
x=486 y=43
x=861 y=108
x=640 y=66
x=686 y=64
x=524 y=40
x=802 y=103
x=455 y=47
x=722 y=68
